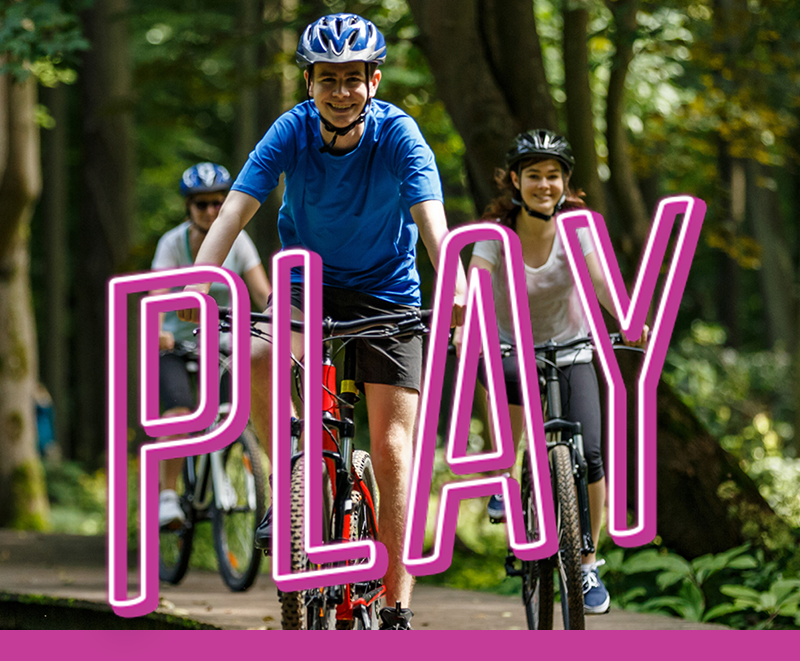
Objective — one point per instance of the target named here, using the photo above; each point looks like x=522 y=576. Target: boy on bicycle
x=361 y=187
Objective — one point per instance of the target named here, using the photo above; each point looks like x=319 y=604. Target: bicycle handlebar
x=412 y=321
x=550 y=346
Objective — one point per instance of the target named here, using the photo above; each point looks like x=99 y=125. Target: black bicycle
x=350 y=494
x=225 y=487
x=568 y=475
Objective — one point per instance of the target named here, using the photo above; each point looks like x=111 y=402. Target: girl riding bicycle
x=205 y=187
x=534 y=187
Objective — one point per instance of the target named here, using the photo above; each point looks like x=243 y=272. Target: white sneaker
x=170 y=513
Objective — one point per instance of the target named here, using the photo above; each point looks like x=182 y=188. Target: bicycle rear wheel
x=363 y=525
x=569 y=538
x=175 y=543
x=244 y=503
x=537 y=576
x=306 y=609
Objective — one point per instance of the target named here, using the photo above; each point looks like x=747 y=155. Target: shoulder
x=169 y=248
x=394 y=123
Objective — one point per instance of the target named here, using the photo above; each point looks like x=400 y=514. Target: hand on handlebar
x=193 y=314
x=166 y=341
x=641 y=343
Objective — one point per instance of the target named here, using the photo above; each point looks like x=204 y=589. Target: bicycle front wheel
x=363 y=525
x=238 y=509
x=537 y=576
x=306 y=609
x=569 y=538
x=175 y=543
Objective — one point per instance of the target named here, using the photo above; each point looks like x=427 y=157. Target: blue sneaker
x=596 y=599
x=496 y=509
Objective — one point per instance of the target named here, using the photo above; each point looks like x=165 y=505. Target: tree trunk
x=580 y=118
x=512 y=49
x=54 y=341
x=106 y=209
x=275 y=94
x=455 y=50
x=23 y=499
x=764 y=214
x=628 y=201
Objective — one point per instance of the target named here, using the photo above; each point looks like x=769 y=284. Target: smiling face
x=541 y=185
x=340 y=90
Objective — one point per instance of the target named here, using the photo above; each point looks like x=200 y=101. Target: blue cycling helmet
x=341 y=38
x=205 y=178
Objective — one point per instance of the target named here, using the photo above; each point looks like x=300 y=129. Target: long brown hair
x=503 y=209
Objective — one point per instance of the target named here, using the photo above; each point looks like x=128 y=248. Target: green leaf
x=651 y=560
x=720 y=610
x=695 y=601
x=743 y=593
x=743 y=562
x=667 y=578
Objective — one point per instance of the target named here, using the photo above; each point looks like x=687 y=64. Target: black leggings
x=580 y=402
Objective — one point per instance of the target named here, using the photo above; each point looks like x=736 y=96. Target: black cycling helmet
x=540 y=143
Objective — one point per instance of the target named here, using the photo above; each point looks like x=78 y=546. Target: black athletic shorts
x=580 y=401
x=176 y=387
x=389 y=361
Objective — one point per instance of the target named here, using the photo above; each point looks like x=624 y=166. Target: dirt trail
x=74 y=567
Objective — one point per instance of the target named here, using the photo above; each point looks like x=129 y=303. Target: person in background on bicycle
x=204 y=186
x=361 y=186
x=534 y=187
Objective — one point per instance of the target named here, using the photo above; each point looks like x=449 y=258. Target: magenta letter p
x=118 y=291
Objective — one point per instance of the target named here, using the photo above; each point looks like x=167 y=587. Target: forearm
x=430 y=219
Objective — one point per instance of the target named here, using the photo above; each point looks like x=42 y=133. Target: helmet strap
x=536 y=214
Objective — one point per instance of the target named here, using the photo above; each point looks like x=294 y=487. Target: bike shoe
x=170 y=512
x=396 y=619
x=596 y=599
x=263 y=536
x=496 y=509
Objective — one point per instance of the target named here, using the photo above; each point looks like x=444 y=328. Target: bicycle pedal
x=497 y=520
x=511 y=570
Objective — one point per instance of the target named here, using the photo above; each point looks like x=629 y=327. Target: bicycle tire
x=175 y=544
x=234 y=529
x=538 y=586
x=295 y=611
x=569 y=539
x=363 y=525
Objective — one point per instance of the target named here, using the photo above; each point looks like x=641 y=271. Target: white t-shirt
x=173 y=251
x=556 y=311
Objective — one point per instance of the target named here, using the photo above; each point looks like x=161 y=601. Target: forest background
x=104 y=103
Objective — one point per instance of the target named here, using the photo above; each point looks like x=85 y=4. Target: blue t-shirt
x=352 y=209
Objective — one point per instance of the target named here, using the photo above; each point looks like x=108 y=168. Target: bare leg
x=597 y=503
x=392 y=413
x=517 y=428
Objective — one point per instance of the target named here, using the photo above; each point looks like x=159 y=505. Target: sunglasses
x=202 y=205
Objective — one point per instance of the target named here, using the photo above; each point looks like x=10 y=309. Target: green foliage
x=77 y=499
x=41 y=38
x=655 y=580
x=744 y=399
